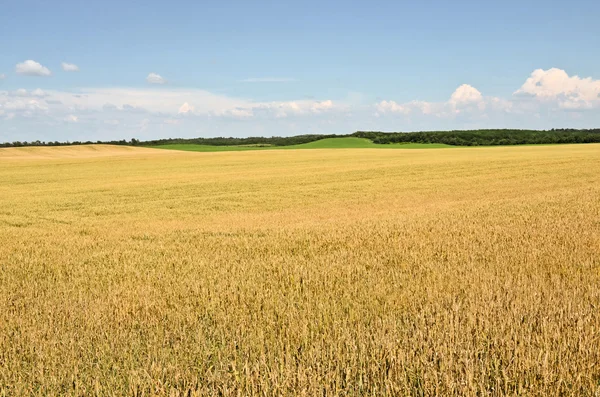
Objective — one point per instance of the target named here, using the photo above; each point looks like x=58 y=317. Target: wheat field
x=360 y=272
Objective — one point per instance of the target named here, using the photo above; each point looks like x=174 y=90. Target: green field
x=329 y=143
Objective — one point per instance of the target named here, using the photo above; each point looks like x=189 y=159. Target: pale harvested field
x=317 y=272
x=72 y=152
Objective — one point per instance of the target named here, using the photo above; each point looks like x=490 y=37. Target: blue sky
x=163 y=69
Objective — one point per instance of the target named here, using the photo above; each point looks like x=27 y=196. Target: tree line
x=485 y=137
x=67 y=143
x=488 y=137
x=222 y=141
x=217 y=141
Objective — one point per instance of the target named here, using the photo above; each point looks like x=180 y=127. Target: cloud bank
x=551 y=90
x=546 y=99
x=267 y=80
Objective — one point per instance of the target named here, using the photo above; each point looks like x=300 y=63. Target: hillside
x=327 y=143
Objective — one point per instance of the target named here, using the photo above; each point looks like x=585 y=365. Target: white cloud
x=185 y=108
x=22 y=92
x=32 y=68
x=235 y=113
x=423 y=107
x=465 y=94
x=322 y=106
x=285 y=109
x=71 y=119
x=2 y=76
x=570 y=92
x=167 y=102
x=576 y=104
x=267 y=80
x=178 y=101
x=241 y=113
x=38 y=92
x=411 y=108
x=280 y=109
x=465 y=99
x=391 y=107
x=69 y=67
x=154 y=78
x=22 y=104
x=500 y=104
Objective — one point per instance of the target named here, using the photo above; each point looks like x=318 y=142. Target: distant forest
x=219 y=141
x=455 y=138
x=485 y=137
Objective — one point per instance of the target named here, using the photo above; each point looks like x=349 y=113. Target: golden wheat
x=306 y=273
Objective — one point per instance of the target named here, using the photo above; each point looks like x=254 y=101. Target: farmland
x=328 y=143
x=137 y=271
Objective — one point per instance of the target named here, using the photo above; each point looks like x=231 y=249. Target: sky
x=103 y=70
